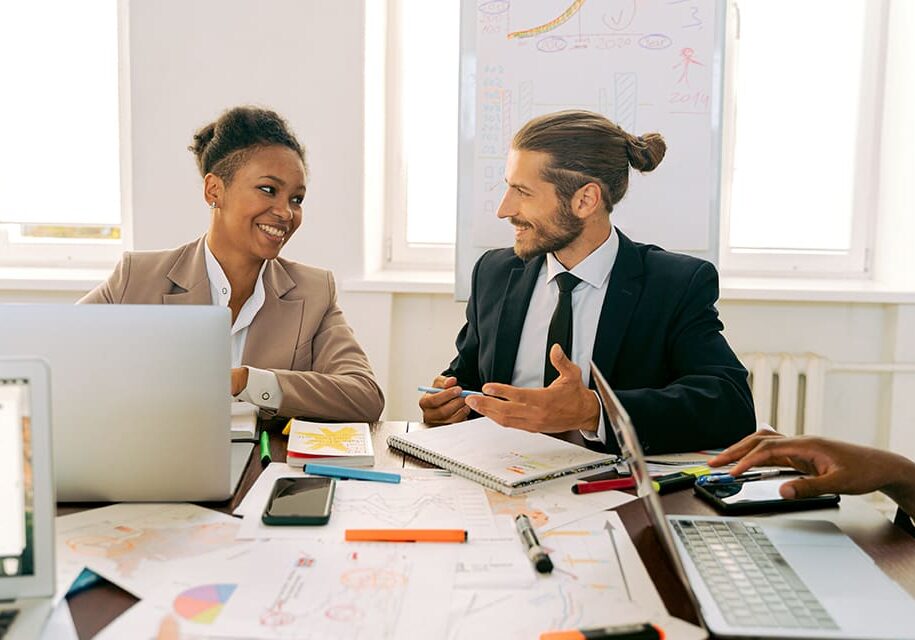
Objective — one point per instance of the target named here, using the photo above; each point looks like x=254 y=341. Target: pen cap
x=543 y=564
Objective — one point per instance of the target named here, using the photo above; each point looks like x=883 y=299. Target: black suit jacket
x=658 y=343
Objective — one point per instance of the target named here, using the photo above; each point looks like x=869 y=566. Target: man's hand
x=239 y=380
x=445 y=406
x=565 y=405
x=836 y=467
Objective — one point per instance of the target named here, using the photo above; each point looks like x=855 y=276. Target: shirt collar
x=221 y=290
x=595 y=268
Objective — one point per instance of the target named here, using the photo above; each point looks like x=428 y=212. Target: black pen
x=620 y=632
x=535 y=552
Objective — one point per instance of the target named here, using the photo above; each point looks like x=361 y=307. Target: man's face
x=543 y=222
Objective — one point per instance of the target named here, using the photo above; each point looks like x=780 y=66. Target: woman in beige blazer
x=293 y=353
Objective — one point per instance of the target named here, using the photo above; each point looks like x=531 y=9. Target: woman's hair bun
x=645 y=152
x=202 y=138
x=222 y=146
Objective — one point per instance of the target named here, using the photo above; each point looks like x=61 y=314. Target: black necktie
x=560 y=331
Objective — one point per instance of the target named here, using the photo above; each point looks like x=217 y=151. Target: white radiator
x=788 y=388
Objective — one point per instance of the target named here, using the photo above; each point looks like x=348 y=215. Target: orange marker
x=406 y=535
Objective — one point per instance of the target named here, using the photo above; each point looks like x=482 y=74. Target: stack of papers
x=197 y=567
x=244 y=419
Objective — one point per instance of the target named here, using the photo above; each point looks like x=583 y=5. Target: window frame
x=396 y=252
x=857 y=261
x=18 y=250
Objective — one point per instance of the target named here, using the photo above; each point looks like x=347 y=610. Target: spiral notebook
x=507 y=460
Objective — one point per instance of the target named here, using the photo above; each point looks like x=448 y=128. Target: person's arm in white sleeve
x=263 y=389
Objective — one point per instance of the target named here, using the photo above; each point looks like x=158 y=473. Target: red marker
x=603 y=485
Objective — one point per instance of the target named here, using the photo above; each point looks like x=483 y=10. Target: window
x=800 y=190
x=422 y=130
x=60 y=196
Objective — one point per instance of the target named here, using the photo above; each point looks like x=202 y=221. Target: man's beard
x=564 y=228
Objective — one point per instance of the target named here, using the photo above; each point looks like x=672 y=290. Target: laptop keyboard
x=749 y=579
x=6 y=620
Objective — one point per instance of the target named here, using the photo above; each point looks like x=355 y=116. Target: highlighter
x=265 y=448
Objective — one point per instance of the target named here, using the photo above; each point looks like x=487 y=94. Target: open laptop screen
x=17 y=492
x=631 y=452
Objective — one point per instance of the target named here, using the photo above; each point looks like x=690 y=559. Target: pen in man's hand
x=464 y=393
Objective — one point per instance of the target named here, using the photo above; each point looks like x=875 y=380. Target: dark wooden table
x=891 y=548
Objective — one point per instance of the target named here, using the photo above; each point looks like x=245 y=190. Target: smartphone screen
x=753 y=491
x=761 y=495
x=306 y=499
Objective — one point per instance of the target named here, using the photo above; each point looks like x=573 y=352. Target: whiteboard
x=649 y=65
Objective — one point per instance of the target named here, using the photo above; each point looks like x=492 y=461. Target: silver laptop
x=768 y=578
x=141 y=398
x=26 y=498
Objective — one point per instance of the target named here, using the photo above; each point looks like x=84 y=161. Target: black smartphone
x=300 y=501
x=758 y=496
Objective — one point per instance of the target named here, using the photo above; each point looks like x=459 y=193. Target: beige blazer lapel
x=189 y=275
x=273 y=336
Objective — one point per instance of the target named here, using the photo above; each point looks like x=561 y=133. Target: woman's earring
x=213 y=205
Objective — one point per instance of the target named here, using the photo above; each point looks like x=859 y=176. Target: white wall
x=190 y=60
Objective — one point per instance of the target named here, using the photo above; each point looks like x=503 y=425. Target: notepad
x=345 y=445
x=244 y=419
x=508 y=460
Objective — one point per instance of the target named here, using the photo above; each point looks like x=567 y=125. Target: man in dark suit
x=573 y=288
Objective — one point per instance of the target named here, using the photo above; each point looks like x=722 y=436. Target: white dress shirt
x=587 y=302
x=263 y=389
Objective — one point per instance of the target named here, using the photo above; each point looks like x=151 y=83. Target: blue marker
x=351 y=474
x=727 y=478
x=464 y=394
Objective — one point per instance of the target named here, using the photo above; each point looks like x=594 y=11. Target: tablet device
x=758 y=496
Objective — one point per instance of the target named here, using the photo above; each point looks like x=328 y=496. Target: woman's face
x=261 y=207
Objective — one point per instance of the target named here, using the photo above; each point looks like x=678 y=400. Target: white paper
x=59 y=625
x=308 y=591
x=423 y=499
x=243 y=418
x=677 y=629
x=587 y=588
x=554 y=505
x=502 y=564
x=134 y=545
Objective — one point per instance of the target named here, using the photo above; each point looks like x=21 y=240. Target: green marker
x=265 y=448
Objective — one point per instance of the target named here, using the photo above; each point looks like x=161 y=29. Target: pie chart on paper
x=203 y=604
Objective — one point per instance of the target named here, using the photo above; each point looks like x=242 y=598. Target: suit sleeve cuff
x=263 y=389
x=601 y=434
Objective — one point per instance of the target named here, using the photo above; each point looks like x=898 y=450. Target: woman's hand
x=239 y=380
x=737 y=451
x=835 y=467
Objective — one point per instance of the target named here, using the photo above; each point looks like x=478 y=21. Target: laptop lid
x=141 y=397
x=26 y=485
x=631 y=453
